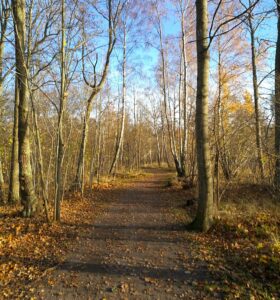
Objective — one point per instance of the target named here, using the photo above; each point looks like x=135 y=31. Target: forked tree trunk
x=204 y=217
x=277 y=107
x=96 y=88
x=27 y=193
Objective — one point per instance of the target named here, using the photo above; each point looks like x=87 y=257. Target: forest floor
x=128 y=241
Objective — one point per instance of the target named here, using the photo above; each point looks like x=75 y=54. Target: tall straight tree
x=277 y=106
x=120 y=135
x=13 y=193
x=183 y=140
x=252 y=31
x=204 y=217
x=164 y=86
x=60 y=141
x=4 y=14
x=27 y=193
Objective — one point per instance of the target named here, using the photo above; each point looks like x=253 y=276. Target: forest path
x=136 y=249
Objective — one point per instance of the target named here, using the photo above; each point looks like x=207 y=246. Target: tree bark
x=256 y=98
x=13 y=194
x=27 y=193
x=277 y=107
x=40 y=160
x=119 y=141
x=170 y=130
x=217 y=118
x=1 y=95
x=204 y=217
x=96 y=88
x=184 y=94
x=60 y=138
x=79 y=180
x=2 y=199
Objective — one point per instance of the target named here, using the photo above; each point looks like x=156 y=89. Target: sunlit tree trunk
x=216 y=181
x=204 y=217
x=79 y=181
x=170 y=131
x=3 y=30
x=184 y=94
x=60 y=138
x=13 y=193
x=256 y=98
x=96 y=88
x=27 y=193
x=120 y=136
x=277 y=106
x=40 y=160
x=1 y=184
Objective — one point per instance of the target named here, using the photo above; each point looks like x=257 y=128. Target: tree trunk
x=256 y=98
x=1 y=95
x=121 y=133
x=217 y=117
x=170 y=130
x=79 y=180
x=2 y=199
x=204 y=217
x=184 y=56
x=13 y=194
x=277 y=107
x=96 y=88
x=27 y=193
x=3 y=26
x=60 y=138
x=40 y=160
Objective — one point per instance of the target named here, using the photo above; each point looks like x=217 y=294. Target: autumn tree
x=111 y=17
x=204 y=217
x=27 y=192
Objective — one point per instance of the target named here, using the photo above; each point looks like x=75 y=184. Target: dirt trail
x=135 y=250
